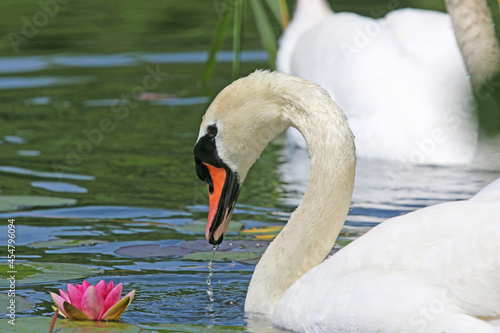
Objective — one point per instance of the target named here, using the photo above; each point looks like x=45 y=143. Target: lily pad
x=198 y=245
x=22 y=304
x=227 y=245
x=198 y=227
x=18 y=202
x=223 y=255
x=40 y=272
x=150 y=250
x=66 y=243
x=42 y=324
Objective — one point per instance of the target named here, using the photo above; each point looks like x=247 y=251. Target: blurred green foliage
x=99 y=26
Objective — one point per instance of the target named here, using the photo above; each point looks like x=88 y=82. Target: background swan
x=401 y=79
x=442 y=259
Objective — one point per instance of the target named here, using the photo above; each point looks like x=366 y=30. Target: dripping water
x=210 y=291
x=210 y=266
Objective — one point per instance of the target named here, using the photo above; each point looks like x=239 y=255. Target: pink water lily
x=88 y=302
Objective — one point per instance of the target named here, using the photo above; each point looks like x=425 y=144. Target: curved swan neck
x=474 y=30
x=312 y=229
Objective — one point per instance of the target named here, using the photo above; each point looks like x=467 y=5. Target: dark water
x=106 y=111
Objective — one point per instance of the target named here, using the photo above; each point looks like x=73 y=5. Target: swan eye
x=212 y=131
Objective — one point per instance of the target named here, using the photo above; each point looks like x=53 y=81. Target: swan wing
x=430 y=269
x=401 y=81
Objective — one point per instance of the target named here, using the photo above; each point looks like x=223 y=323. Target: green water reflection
x=139 y=153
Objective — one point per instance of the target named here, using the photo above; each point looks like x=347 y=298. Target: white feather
x=401 y=80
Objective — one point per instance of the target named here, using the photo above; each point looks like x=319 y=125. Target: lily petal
x=84 y=286
x=75 y=296
x=117 y=310
x=59 y=302
x=92 y=303
x=74 y=313
x=64 y=295
x=89 y=302
x=112 y=298
x=131 y=295
x=101 y=289
x=118 y=289
x=111 y=285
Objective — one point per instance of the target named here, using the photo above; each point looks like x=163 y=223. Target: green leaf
x=22 y=304
x=220 y=35
x=74 y=313
x=238 y=18
x=42 y=324
x=280 y=11
x=266 y=32
x=40 y=272
x=19 y=202
x=119 y=308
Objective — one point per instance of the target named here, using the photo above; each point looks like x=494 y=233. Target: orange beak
x=223 y=187
x=223 y=190
x=218 y=176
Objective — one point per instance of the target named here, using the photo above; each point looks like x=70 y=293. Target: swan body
x=401 y=80
x=433 y=270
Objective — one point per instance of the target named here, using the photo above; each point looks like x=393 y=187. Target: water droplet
x=210 y=266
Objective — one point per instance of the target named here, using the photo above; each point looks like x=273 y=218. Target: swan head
x=236 y=128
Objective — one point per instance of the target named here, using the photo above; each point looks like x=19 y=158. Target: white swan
x=434 y=270
x=403 y=81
